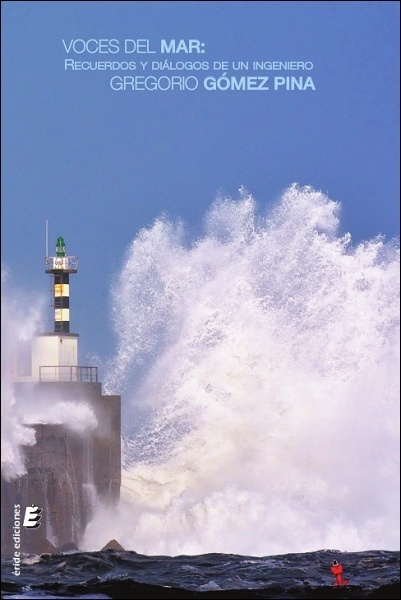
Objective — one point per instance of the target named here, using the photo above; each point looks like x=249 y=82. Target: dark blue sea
x=122 y=574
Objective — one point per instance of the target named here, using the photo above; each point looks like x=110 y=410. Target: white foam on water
x=259 y=367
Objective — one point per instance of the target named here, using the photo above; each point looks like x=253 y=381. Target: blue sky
x=101 y=164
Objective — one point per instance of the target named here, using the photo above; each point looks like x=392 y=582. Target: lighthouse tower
x=61 y=266
x=70 y=468
x=55 y=354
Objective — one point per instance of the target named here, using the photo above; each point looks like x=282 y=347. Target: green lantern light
x=60 y=247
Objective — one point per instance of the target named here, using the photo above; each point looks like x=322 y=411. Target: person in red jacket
x=337 y=571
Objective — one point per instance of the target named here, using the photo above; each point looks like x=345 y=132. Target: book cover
x=200 y=286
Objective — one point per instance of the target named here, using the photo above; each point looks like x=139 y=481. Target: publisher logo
x=32 y=517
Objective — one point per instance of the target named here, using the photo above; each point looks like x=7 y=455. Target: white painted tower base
x=55 y=357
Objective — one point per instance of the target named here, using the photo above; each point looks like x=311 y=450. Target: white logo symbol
x=32 y=517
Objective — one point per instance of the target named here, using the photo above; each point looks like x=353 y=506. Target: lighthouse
x=75 y=463
x=61 y=267
x=55 y=354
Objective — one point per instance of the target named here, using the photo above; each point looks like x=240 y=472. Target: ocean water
x=114 y=574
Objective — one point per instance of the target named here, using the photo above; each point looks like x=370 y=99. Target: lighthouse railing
x=65 y=263
x=68 y=373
